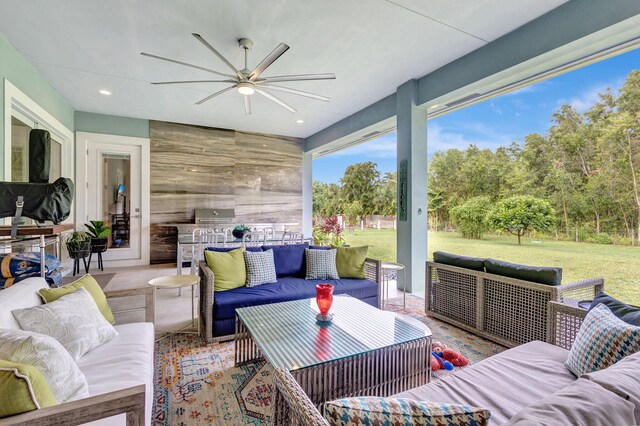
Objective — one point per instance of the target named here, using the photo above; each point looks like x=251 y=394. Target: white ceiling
x=373 y=46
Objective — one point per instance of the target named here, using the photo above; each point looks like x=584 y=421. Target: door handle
x=135 y=216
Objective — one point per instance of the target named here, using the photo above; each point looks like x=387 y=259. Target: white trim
x=16 y=100
x=27 y=380
x=82 y=139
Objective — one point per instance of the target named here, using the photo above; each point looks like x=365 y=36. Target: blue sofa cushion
x=227 y=249
x=289 y=259
x=284 y=290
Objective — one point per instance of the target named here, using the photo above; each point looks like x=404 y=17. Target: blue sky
x=495 y=122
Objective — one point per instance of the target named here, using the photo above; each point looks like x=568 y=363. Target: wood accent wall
x=200 y=167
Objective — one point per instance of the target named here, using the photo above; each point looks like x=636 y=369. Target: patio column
x=307 y=194
x=411 y=237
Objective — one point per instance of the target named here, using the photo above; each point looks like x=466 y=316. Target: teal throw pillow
x=260 y=267
x=321 y=264
x=374 y=410
x=602 y=340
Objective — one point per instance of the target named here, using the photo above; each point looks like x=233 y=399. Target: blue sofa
x=217 y=308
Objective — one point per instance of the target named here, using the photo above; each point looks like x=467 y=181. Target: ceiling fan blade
x=247 y=105
x=300 y=77
x=218 y=54
x=274 y=99
x=200 y=102
x=270 y=59
x=295 y=92
x=193 y=81
x=162 y=58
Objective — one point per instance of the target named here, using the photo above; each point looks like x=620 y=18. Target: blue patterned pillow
x=374 y=410
x=321 y=264
x=603 y=340
x=260 y=267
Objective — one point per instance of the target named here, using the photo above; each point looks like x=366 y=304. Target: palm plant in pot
x=240 y=230
x=99 y=233
x=78 y=244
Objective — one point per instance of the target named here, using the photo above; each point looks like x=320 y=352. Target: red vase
x=324 y=297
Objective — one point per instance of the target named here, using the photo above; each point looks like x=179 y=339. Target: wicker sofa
x=217 y=308
x=530 y=376
x=506 y=310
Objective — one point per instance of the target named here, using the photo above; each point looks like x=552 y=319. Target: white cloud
x=477 y=134
x=495 y=108
x=588 y=97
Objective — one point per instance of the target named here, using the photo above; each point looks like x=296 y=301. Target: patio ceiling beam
x=566 y=34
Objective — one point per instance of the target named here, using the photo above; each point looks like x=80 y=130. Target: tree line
x=586 y=167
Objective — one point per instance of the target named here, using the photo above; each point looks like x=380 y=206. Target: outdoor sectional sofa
x=217 y=308
x=518 y=386
x=501 y=301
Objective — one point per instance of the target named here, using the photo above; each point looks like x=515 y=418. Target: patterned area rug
x=198 y=384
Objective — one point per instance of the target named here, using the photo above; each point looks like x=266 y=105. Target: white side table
x=386 y=268
x=180 y=281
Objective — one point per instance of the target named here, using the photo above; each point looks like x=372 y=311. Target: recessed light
x=299 y=121
x=104 y=92
x=434 y=106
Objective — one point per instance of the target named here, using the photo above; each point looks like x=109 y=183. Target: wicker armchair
x=563 y=324
x=506 y=310
x=372 y=270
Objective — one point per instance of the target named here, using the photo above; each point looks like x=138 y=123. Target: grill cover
x=42 y=201
x=39 y=156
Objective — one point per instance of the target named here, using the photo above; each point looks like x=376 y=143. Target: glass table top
x=289 y=336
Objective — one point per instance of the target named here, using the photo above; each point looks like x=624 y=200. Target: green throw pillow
x=350 y=261
x=228 y=269
x=23 y=388
x=91 y=285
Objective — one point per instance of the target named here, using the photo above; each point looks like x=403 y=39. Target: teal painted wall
x=111 y=124
x=15 y=68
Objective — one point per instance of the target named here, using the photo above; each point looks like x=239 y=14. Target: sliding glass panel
x=116 y=178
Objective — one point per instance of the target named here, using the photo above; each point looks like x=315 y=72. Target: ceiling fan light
x=246 y=89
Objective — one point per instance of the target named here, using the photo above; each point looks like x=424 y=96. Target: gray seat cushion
x=581 y=403
x=504 y=383
x=622 y=378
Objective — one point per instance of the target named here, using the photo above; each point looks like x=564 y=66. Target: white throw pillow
x=46 y=354
x=74 y=320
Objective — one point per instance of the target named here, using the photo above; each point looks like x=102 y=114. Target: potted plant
x=78 y=244
x=99 y=233
x=240 y=230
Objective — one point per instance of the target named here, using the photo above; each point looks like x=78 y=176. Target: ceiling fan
x=247 y=82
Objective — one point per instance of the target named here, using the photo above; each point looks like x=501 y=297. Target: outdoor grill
x=214 y=217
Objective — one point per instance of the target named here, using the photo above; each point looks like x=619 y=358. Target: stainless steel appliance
x=214 y=218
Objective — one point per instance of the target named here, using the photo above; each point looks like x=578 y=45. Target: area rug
x=198 y=384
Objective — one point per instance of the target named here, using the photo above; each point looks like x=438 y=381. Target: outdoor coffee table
x=365 y=351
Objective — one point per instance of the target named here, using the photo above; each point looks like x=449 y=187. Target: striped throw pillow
x=321 y=264
x=260 y=267
x=400 y=411
x=603 y=340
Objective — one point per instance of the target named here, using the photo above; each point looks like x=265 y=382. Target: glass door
x=114 y=196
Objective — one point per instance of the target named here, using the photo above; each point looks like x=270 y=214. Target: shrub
x=470 y=218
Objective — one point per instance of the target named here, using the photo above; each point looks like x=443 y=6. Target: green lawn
x=618 y=265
